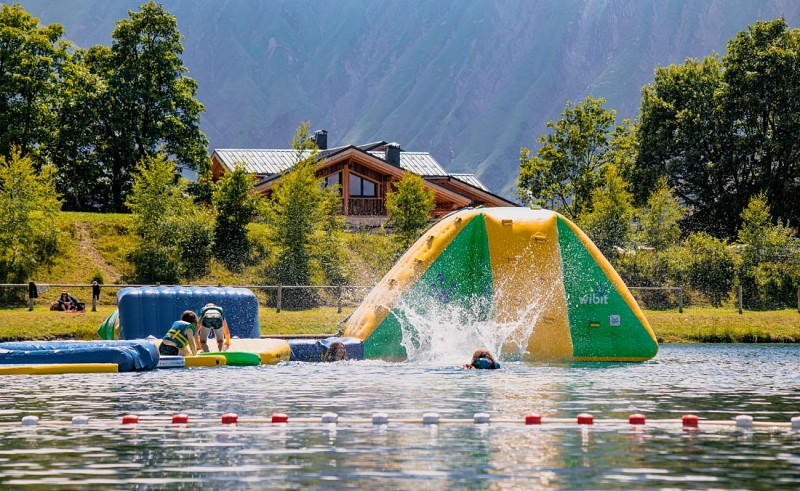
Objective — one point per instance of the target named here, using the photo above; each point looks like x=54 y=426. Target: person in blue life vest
x=181 y=339
x=212 y=318
x=482 y=359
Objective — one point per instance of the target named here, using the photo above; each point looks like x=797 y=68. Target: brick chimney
x=393 y=154
x=321 y=139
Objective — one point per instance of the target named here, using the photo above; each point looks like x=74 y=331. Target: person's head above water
x=482 y=358
x=336 y=352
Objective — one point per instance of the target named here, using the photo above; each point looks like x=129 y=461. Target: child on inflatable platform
x=181 y=335
x=213 y=319
x=482 y=359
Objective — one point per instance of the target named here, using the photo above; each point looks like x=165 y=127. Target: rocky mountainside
x=469 y=81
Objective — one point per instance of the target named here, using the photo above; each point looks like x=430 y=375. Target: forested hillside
x=472 y=82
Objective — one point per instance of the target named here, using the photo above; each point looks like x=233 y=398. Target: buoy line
x=430 y=418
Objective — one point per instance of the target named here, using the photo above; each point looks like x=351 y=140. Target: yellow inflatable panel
x=524 y=250
x=205 y=361
x=59 y=368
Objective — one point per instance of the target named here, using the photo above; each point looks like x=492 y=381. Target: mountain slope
x=471 y=82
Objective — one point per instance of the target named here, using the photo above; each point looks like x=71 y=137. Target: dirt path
x=110 y=273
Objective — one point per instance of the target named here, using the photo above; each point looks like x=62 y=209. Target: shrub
x=711 y=267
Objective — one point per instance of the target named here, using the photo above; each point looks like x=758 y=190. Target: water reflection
x=716 y=382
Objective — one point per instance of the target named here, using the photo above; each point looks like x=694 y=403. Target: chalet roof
x=266 y=162
x=470 y=179
x=258 y=161
x=421 y=163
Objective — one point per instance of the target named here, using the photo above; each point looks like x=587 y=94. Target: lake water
x=716 y=382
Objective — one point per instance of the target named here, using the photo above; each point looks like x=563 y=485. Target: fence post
x=680 y=300
x=280 y=293
x=339 y=304
x=740 y=298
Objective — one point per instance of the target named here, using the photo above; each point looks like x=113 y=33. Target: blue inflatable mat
x=315 y=349
x=128 y=355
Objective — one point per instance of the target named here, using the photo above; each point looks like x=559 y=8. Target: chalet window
x=332 y=180
x=361 y=187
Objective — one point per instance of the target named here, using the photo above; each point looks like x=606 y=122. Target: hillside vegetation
x=96 y=244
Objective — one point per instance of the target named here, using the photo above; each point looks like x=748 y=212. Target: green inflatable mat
x=236 y=358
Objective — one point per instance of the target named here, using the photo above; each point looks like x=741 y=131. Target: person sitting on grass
x=181 y=335
x=68 y=303
x=212 y=319
x=482 y=359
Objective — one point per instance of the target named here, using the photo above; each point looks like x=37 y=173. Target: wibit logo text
x=598 y=296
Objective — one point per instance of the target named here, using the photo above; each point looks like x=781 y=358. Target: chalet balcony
x=366 y=207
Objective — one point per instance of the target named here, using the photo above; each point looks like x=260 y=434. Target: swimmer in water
x=482 y=359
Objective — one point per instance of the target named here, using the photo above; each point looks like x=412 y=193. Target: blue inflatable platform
x=150 y=311
x=315 y=349
x=128 y=355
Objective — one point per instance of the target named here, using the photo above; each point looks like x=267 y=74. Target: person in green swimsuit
x=213 y=319
x=181 y=335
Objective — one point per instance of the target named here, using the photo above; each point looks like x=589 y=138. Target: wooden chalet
x=365 y=174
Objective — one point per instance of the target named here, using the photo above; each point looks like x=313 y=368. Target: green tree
x=328 y=246
x=609 y=222
x=565 y=171
x=711 y=271
x=82 y=178
x=176 y=235
x=235 y=204
x=768 y=261
x=28 y=208
x=149 y=105
x=660 y=218
x=31 y=59
x=724 y=130
x=409 y=207
x=295 y=212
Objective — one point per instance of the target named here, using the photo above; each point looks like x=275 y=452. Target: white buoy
x=796 y=423
x=482 y=418
x=80 y=420
x=30 y=420
x=380 y=419
x=744 y=421
x=330 y=418
x=430 y=419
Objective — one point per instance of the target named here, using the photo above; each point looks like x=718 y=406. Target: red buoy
x=230 y=418
x=130 y=419
x=180 y=419
x=690 y=420
x=280 y=418
x=585 y=419
x=636 y=419
x=533 y=419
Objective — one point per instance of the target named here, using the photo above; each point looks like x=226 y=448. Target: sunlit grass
x=693 y=326
x=725 y=325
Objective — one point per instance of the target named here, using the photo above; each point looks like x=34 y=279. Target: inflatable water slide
x=532 y=274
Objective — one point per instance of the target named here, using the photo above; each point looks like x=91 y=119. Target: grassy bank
x=18 y=324
x=696 y=325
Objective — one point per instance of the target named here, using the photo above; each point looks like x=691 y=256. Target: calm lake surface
x=716 y=382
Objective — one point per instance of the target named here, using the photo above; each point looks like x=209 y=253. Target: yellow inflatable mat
x=59 y=368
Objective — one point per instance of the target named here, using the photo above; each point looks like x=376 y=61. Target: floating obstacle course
x=532 y=273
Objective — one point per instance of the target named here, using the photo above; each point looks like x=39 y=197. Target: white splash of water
x=448 y=333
